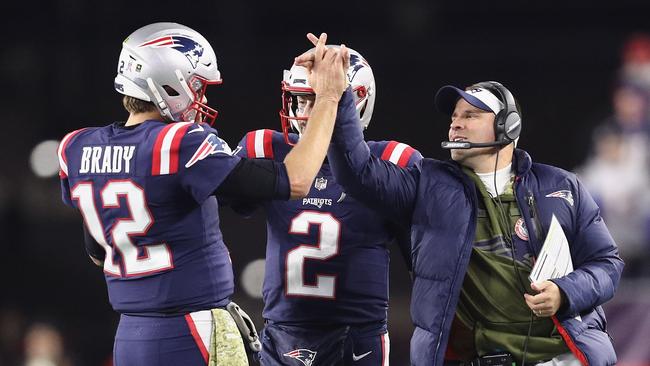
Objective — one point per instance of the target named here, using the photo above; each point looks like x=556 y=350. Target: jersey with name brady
x=326 y=256
x=146 y=196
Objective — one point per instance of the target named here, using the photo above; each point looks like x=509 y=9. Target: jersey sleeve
x=265 y=144
x=201 y=159
x=257 y=145
x=63 y=166
x=396 y=152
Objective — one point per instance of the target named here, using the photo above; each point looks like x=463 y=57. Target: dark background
x=59 y=59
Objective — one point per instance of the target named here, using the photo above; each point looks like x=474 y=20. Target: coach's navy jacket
x=439 y=202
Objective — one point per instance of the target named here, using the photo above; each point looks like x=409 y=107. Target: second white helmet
x=295 y=82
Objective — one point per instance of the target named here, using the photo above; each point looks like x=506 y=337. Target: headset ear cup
x=507 y=123
x=499 y=127
x=512 y=126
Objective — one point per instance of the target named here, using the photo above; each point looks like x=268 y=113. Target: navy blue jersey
x=326 y=254
x=146 y=197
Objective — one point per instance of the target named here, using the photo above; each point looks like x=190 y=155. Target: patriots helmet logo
x=210 y=146
x=185 y=45
x=356 y=63
x=303 y=355
x=564 y=194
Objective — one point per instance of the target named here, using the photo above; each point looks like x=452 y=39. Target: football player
x=326 y=278
x=146 y=190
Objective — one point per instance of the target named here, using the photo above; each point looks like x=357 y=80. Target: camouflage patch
x=226 y=344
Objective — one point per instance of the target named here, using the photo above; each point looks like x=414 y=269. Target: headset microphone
x=470 y=145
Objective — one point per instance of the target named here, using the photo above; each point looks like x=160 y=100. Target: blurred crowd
x=617 y=172
x=36 y=344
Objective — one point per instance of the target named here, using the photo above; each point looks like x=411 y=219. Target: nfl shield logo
x=320 y=183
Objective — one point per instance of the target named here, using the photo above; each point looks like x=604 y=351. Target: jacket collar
x=522 y=162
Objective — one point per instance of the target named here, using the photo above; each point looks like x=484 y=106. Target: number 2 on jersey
x=327 y=247
x=156 y=257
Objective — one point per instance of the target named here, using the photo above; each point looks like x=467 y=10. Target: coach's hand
x=548 y=300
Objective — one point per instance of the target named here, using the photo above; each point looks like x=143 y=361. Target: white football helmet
x=295 y=82
x=171 y=66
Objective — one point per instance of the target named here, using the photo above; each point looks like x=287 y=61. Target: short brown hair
x=134 y=105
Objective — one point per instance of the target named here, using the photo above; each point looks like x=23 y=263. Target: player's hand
x=307 y=59
x=327 y=76
x=548 y=300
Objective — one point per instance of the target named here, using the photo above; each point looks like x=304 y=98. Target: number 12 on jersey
x=326 y=248
x=156 y=257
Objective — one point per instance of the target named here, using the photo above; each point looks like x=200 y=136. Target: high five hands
x=327 y=67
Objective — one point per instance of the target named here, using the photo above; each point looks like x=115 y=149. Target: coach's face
x=472 y=124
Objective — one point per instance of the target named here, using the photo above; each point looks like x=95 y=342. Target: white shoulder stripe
x=165 y=149
x=259 y=144
x=397 y=152
x=60 y=152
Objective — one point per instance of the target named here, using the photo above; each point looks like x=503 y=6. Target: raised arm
x=328 y=81
x=378 y=183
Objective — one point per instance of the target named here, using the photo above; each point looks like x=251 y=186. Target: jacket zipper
x=534 y=216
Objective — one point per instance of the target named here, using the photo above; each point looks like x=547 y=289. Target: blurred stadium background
x=581 y=71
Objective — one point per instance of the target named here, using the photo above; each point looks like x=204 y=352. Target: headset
x=507 y=123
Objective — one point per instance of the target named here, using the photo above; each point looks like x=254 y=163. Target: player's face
x=469 y=123
x=305 y=105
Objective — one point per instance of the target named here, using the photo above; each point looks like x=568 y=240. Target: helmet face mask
x=171 y=66
x=296 y=83
x=199 y=111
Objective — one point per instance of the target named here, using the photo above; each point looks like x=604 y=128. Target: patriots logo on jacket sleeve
x=210 y=146
x=303 y=355
x=564 y=194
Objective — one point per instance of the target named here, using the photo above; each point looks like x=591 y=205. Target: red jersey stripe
x=174 y=151
x=197 y=337
x=250 y=144
x=157 y=147
x=63 y=160
x=268 y=144
x=405 y=156
x=388 y=150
